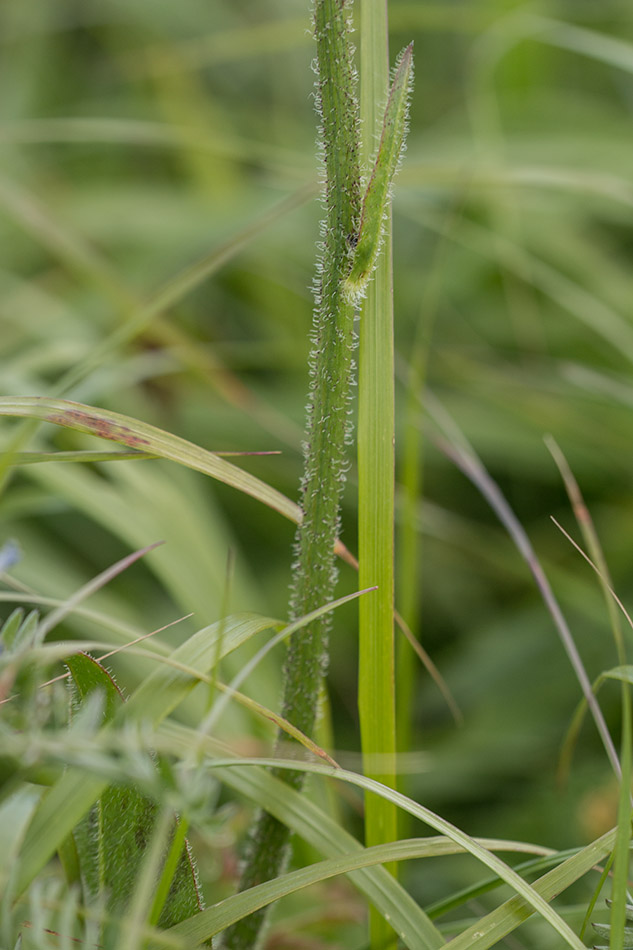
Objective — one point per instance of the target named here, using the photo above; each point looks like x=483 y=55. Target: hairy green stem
x=314 y=570
x=352 y=235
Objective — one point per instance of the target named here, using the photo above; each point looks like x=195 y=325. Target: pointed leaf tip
x=377 y=194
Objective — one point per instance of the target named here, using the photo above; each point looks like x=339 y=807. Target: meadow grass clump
x=158 y=219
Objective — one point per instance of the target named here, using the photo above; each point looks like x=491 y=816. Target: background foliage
x=136 y=138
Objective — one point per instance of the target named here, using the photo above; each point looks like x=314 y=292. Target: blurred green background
x=137 y=137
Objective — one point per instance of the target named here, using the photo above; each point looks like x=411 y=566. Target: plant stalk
x=376 y=692
x=325 y=463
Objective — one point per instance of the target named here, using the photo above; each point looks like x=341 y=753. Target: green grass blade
x=157 y=696
x=56 y=616
x=376 y=689
x=622 y=851
x=315 y=826
x=504 y=919
x=210 y=922
x=606 y=49
x=621 y=860
x=525 y=891
x=85 y=455
x=139 y=435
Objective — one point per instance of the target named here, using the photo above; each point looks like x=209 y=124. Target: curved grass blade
x=257 y=708
x=596 y=45
x=528 y=893
x=621 y=857
x=15 y=813
x=320 y=830
x=56 y=616
x=210 y=922
x=247 y=669
x=85 y=455
x=465 y=458
x=139 y=315
x=140 y=435
x=504 y=919
x=153 y=701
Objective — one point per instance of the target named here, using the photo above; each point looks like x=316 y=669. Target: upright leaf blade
x=376 y=198
x=113 y=837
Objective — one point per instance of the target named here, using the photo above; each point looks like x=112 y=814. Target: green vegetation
x=158 y=216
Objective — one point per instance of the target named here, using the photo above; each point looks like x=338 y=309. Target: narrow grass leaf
x=218 y=708
x=85 y=455
x=504 y=871
x=215 y=919
x=607 y=49
x=621 y=860
x=496 y=925
x=465 y=458
x=10 y=627
x=377 y=195
x=56 y=616
x=256 y=708
x=318 y=828
x=622 y=850
x=159 y=694
x=135 y=434
x=15 y=814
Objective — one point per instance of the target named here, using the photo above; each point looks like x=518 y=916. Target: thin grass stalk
x=622 y=845
x=376 y=690
x=622 y=850
x=325 y=464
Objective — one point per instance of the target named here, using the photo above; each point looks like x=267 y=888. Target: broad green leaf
x=89 y=675
x=149 y=439
x=73 y=795
x=113 y=837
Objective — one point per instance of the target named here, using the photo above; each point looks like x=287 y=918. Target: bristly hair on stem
x=328 y=411
x=314 y=572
